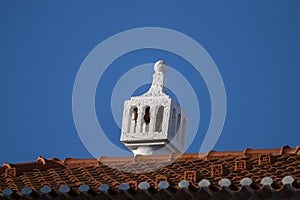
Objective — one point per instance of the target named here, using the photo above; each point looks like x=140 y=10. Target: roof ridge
x=167 y=158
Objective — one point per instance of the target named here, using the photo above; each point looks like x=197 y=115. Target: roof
x=251 y=173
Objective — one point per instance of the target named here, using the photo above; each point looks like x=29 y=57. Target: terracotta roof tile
x=242 y=174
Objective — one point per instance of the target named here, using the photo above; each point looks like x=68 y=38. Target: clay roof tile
x=251 y=172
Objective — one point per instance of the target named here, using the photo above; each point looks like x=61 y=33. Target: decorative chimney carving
x=154 y=123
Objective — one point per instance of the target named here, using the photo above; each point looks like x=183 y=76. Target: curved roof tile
x=249 y=173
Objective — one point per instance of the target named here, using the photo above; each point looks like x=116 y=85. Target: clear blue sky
x=255 y=45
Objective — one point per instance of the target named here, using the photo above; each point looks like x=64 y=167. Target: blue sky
x=255 y=45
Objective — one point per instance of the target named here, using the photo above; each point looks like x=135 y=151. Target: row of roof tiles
x=266 y=189
x=275 y=170
x=170 y=157
x=263 y=154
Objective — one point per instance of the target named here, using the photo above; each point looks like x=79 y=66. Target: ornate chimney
x=154 y=123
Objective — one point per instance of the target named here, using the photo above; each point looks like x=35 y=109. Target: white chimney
x=154 y=123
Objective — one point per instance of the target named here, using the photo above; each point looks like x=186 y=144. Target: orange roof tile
x=241 y=174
